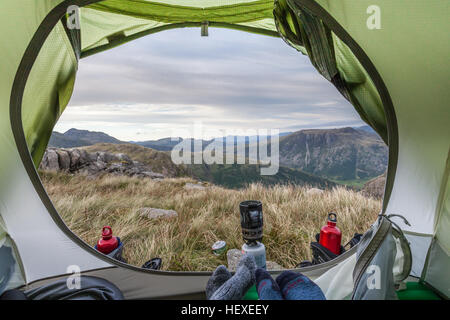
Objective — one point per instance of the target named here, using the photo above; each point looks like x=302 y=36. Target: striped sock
x=267 y=287
x=296 y=286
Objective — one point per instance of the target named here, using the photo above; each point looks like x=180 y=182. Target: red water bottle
x=107 y=243
x=330 y=235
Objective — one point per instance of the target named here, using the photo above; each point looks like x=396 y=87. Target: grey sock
x=237 y=286
x=218 y=278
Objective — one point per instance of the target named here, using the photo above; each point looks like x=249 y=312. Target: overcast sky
x=230 y=80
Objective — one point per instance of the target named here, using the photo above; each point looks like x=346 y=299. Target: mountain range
x=350 y=155
x=79 y=138
x=338 y=154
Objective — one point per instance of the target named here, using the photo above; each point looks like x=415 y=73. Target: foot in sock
x=218 y=278
x=267 y=288
x=296 y=286
x=236 y=287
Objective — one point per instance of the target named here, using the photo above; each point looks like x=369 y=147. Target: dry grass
x=291 y=217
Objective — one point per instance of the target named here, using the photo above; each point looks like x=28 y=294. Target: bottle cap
x=106 y=232
x=332 y=218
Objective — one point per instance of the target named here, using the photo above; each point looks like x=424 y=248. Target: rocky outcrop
x=78 y=160
x=155 y=213
x=375 y=187
x=314 y=191
x=50 y=160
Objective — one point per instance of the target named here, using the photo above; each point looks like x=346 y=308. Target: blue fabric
x=267 y=287
x=296 y=286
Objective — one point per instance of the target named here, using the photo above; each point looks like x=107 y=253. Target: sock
x=218 y=278
x=295 y=286
x=237 y=286
x=267 y=287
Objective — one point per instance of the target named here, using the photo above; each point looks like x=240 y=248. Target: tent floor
x=417 y=291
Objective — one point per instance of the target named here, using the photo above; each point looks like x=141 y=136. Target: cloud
x=230 y=79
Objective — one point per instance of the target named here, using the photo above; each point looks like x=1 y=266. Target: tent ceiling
x=109 y=23
x=169 y=13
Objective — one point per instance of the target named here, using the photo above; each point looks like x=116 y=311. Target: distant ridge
x=345 y=155
x=166 y=144
x=79 y=138
x=337 y=154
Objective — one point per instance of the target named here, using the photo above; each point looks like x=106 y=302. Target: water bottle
x=330 y=235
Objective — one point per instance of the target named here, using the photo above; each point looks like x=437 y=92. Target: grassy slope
x=357 y=184
x=230 y=176
x=238 y=176
x=291 y=217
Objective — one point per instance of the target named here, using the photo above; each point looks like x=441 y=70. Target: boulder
x=155 y=213
x=84 y=157
x=314 y=191
x=110 y=157
x=75 y=156
x=94 y=163
x=100 y=165
x=64 y=159
x=194 y=186
x=52 y=160
x=123 y=157
x=101 y=157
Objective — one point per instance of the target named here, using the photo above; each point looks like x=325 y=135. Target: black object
x=91 y=288
x=153 y=264
x=355 y=240
x=13 y=294
x=321 y=254
x=304 y=264
x=251 y=220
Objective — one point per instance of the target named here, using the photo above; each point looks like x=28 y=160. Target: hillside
x=238 y=176
x=338 y=154
x=166 y=144
x=230 y=176
x=349 y=156
x=292 y=217
x=158 y=161
x=375 y=187
x=106 y=158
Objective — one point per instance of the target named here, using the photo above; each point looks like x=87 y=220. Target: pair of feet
x=288 y=285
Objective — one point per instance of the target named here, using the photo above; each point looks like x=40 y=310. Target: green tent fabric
x=388 y=58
